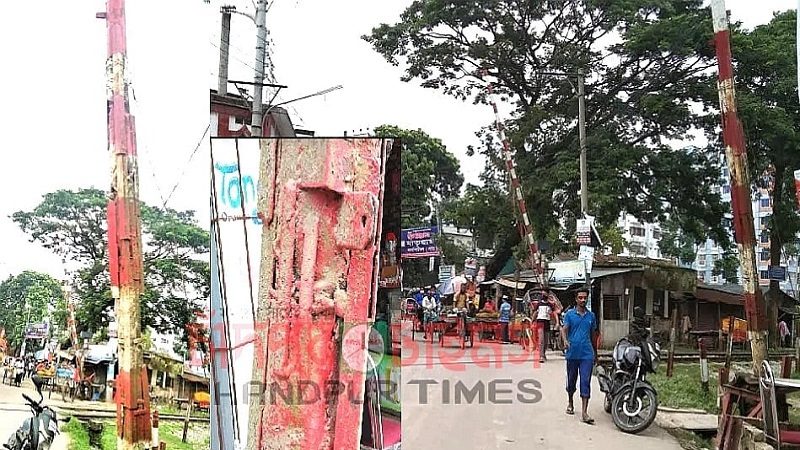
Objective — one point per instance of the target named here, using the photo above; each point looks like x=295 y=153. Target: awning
x=600 y=272
x=510 y=284
x=189 y=376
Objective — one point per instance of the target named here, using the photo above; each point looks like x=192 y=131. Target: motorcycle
x=629 y=397
x=39 y=431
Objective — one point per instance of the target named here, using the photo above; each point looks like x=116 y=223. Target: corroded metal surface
x=319 y=200
x=125 y=241
x=736 y=155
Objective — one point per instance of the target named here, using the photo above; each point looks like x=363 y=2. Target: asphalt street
x=495 y=396
x=14 y=411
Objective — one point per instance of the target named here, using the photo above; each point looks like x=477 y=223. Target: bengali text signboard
x=419 y=243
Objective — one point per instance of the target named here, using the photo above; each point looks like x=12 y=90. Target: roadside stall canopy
x=99 y=354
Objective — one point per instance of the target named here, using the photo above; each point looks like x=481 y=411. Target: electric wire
x=224 y=295
x=244 y=227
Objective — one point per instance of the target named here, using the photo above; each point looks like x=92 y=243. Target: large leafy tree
x=431 y=176
x=646 y=64
x=177 y=275
x=766 y=88
x=28 y=298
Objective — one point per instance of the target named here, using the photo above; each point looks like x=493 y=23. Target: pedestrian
x=429 y=306
x=19 y=371
x=505 y=316
x=543 y=308
x=579 y=333
x=783 y=329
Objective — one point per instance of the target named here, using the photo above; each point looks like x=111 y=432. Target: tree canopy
x=647 y=75
x=177 y=273
x=27 y=298
x=431 y=176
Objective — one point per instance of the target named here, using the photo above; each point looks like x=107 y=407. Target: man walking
x=580 y=340
x=505 y=316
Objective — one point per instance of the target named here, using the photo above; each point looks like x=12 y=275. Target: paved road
x=14 y=411
x=438 y=422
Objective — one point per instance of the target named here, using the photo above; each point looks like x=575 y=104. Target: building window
x=725 y=172
x=701 y=276
x=714 y=279
x=765 y=202
x=726 y=189
x=701 y=261
x=765 y=274
x=637 y=231
x=656 y=234
x=765 y=255
x=765 y=221
x=764 y=237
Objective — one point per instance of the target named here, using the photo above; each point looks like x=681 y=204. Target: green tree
x=177 y=275
x=431 y=176
x=27 y=298
x=766 y=88
x=639 y=94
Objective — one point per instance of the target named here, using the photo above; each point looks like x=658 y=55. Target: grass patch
x=78 y=436
x=683 y=390
x=199 y=436
x=175 y=411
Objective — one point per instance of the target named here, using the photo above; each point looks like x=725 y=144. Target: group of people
x=18 y=368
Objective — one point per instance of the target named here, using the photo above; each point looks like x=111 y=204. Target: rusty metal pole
x=125 y=241
x=736 y=154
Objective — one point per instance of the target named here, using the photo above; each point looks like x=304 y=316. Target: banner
x=36 y=331
x=419 y=243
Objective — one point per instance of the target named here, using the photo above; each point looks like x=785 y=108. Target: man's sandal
x=587 y=420
x=570 y=410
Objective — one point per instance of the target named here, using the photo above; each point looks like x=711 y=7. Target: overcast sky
x=53 y=125
x=318 y=45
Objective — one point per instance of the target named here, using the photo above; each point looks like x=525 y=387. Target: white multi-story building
x=762 y=213
x=464 y=238
x=642 y=238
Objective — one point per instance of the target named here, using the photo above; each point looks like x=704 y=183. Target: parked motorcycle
x=39 y=431
x=630 y=398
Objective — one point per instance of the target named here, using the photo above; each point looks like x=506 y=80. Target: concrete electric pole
x=261 y=51
x=224 y=47
x=125 y=241
x=582 y=134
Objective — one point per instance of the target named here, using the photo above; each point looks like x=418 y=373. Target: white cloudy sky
x=53 y=118
x=53 y=125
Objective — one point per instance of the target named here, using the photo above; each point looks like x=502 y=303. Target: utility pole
x=582 y=134
x=261 y=51
x=125 y=241
x=224 y=47
x=736 y=154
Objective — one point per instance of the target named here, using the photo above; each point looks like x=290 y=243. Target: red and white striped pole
x=736 y=154
x=125 y=241
x=516 y=187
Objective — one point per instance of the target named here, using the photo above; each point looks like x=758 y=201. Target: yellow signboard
x=739 y=328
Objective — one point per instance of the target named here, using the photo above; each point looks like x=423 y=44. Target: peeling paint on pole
x=319 y=210
x=125 y=241
x=736 y=155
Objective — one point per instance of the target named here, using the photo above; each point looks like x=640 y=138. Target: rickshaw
x=458 y=326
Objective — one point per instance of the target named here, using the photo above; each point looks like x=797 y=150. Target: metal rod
x=736 y=154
